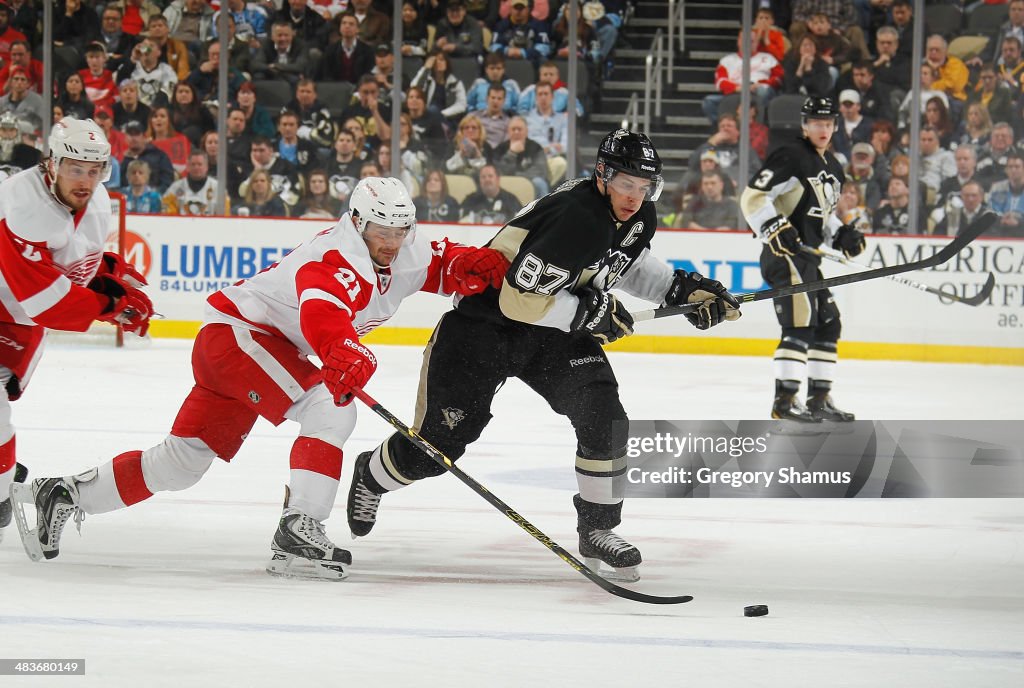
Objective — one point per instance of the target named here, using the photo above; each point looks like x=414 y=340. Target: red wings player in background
x=54 y=219
x=251 y=359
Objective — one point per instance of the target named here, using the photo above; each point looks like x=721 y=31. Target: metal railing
x=676 y=10
x=653 y=72
x=632 y=114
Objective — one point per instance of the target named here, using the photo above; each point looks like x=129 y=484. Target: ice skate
x=56 y=502
x=788 y=407
x=603 y=546
x=820 y=406
x=301 y=549
x=20 y=474
x=362 y=501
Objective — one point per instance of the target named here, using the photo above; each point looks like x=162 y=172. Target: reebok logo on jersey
x=452 y=417
x=573 y=362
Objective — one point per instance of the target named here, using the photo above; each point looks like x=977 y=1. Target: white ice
x=446 y=591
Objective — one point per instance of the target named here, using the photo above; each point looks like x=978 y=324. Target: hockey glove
x=476 y=269
x=781 y=237
x=123 y=270
x=129 y=307
x=849 y=240
x=716 y=303
x=348 y=366
x=602 y=316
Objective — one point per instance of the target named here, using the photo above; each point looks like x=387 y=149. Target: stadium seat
x=985 y=18
x=465 y=69
x=336 y=95
x=460 y=186
x=273 y=94
x=521 y=71
x=520 y=187
x=944 y=19
x=784 y=111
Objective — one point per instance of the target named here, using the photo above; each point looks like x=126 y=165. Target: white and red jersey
x=764 y=69
x=326 y=289
x=47 y=256
x=100 y=89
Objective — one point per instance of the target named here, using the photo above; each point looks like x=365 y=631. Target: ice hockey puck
x=756 y=610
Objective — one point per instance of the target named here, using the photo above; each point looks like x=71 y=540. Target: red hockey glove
x=123 y=270
x=476 y=269
x=129 y=307
x=348 y=366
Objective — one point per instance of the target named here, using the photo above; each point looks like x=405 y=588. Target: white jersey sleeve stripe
x=277 y=372
x=321 y=295
x=47 y=298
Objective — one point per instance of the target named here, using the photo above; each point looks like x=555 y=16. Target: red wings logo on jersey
x=84 y=270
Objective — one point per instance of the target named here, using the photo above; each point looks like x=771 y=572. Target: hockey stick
x=509 y=512
x=975 y=300
x=980 y=225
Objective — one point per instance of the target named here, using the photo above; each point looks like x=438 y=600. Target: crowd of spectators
x=858 y=52
x=146 y=71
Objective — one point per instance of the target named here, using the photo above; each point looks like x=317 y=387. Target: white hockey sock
x=383 y=470
x=312 y=493
x=790 y=362
x=175 y=464
x=821 y=362
x=597 y=478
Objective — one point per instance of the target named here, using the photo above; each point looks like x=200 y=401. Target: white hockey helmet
x=383 y=200
x=77 y=139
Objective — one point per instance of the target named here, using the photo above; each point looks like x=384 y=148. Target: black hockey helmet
x=634 y=154
x=818 y=108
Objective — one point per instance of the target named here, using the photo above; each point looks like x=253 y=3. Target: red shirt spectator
x=7 y=33
x=33 y=69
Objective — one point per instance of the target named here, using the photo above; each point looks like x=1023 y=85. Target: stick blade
x=983 y=293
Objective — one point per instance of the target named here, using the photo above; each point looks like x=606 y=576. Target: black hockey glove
x=849 y=240
x=781 y=237
x=602 y=316
x=717 y=304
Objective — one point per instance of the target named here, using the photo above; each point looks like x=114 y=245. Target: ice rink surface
x=446 y=591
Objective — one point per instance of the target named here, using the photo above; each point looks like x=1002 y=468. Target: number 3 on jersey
x=532 y=270
x=763 y=179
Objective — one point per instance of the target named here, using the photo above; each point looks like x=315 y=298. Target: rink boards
x=186 y=259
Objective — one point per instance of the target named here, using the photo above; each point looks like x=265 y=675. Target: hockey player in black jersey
x=790 y=204
x=545 y=326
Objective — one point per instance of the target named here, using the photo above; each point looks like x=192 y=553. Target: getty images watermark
x=768 y=458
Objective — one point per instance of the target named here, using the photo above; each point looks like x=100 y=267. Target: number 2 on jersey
x=532 y=269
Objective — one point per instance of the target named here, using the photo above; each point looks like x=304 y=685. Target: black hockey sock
x=818 y=387
x=594 y=515
x=786 y=387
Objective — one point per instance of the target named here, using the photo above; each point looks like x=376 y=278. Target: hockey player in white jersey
x=251 y=359
x=54 y=219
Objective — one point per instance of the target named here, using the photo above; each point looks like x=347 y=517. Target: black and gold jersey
x=799 y=184
x=561 y=243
